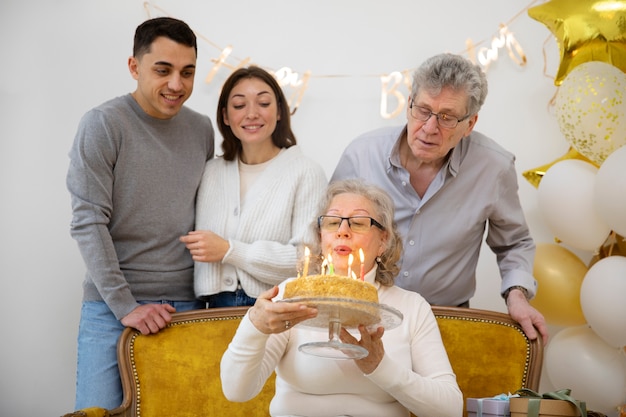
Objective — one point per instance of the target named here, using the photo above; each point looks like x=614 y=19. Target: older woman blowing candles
x=406 y=369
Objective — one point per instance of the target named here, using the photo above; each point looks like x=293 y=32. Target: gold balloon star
x=535 y=175
x=586 y=30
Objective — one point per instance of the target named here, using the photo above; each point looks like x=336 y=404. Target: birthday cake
x=331 y=286
x=352 y=301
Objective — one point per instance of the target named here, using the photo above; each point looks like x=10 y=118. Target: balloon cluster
x=582 y=197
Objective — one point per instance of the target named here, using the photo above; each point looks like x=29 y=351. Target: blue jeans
x=230 y=299
x=98 y=381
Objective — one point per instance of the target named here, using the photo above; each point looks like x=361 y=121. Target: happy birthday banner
x=295 y=83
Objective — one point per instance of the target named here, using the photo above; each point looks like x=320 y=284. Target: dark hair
x=168 y=27
x=282 y=136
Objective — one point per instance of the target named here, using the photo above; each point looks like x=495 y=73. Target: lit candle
x=362 y=257
x=307 y=257
x=331 y=267
x=324 y=265
x=350 y=260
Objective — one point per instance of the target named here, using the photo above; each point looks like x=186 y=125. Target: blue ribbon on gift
x=534 y=402
x=479 y=403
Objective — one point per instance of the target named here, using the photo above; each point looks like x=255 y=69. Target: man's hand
x=149 y=318
x=527 y=316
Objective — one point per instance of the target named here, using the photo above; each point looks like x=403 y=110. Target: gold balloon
x=620 y=241
x=559 y=274
x=586 y=30
x=614 y=245
x=535 y=175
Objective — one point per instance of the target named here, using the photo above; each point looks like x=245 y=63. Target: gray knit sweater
x=133 y=182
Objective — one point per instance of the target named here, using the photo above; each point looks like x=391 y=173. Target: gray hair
x=384 y=213
x=450 y=70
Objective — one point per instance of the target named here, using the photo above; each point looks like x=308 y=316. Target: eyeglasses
x=358 y=224
x=443 y=119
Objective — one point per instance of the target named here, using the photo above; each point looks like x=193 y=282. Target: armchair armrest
x=89 y=412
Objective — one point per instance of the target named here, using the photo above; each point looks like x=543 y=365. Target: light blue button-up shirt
x=476 y=189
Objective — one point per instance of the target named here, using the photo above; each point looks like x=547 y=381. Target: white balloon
x=578 y=359
x=610 y=191
x=602 y=299
x=565 y=196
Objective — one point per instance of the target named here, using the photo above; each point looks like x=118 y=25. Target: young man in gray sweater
x=135 y=166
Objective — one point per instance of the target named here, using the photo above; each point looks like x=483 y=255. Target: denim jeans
x=229 y=299
x=98 y=381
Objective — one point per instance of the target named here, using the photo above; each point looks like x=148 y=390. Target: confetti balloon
x=591 y=109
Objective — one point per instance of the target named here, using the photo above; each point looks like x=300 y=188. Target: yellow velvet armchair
x=175 y=373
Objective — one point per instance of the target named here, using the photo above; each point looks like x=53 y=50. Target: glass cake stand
x=335 y=313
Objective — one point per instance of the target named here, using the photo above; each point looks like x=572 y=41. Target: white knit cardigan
x=265 y=230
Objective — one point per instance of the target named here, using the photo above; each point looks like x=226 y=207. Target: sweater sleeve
x=247 y=364
x=508 y=235
x=90 y=182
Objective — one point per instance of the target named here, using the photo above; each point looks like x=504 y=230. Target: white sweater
x=415 y=373
x=265 y=229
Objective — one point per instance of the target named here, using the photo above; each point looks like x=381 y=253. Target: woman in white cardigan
x=255 y=202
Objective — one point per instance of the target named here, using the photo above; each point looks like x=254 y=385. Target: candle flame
x=307 y=257
x=350 y=260
x=362 y=257
x=331 y=267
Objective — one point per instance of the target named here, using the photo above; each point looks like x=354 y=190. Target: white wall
x=61 y=58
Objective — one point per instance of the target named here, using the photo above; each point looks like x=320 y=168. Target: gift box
x=551 y=404
x=488 y=407
x=547 y=408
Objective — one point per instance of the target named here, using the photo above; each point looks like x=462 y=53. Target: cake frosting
x=326 y=293
x=331 y=286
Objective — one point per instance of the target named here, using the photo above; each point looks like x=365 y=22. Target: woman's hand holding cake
x=372 y=341
x=270 y=317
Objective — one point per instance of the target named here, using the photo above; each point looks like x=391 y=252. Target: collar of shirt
x=452 y=164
